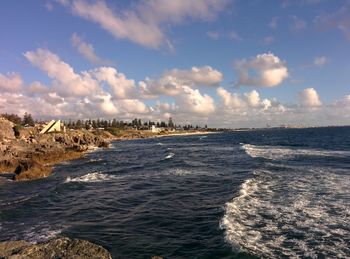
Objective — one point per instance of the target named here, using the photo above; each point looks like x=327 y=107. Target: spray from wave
x=90 y=177
x=278 y=152
x=170 y=155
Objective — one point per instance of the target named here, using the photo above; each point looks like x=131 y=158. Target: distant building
x=53 y=126
x=155 y=129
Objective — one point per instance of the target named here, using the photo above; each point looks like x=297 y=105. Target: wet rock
x=30 y=170
x=63 y=248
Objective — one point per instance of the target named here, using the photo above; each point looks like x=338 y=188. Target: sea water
x=264 y=193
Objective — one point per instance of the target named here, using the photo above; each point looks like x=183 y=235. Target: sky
x=224 y=63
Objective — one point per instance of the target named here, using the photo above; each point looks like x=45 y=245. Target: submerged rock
x=63 y=248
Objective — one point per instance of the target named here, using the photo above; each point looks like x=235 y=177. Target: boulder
x=63 y=248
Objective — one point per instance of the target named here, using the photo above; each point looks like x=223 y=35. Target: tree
x=28 y=120
x=12 y=117
x=171 y=124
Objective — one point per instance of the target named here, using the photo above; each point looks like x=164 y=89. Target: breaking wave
x=91 y=177
x=291 y=214
x=170 y=155
x=278 y=152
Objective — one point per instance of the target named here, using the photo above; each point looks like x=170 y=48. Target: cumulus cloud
x=192 y=101
x=121 y=87
x=266 y=70
x=87 y=50
x=144 y=22
x=249 y=100
x=171 y=82
x=66 y=81
x=309 y=98
x=320 y=61
x=11 y=82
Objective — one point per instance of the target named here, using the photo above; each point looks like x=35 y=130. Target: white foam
x=273 y=210
x=159 y=144
x=95 y=159
x=41 y=233
x=180 y=172
x=279 y=152
x=90 y=177
x=170 y=155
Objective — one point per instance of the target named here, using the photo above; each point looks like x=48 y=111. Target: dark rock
x=63 y=248
x=30 y=170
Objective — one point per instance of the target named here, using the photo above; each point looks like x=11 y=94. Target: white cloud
x=320 y=61
x=66 y=81
x=266 y=70
x=87 y=50
x=11 y=82
x=144 y=23
x=309 y=98
x=121 y=87
x=171 y=83
x=192 y=101
x=249 y=100
x=253 y=98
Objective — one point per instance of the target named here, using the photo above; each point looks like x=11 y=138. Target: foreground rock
x=57 y=248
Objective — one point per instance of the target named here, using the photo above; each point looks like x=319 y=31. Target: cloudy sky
x=225 y=63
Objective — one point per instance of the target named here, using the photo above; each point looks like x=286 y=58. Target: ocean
x=266 y=193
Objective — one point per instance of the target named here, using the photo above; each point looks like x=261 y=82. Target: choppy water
x=266 y=193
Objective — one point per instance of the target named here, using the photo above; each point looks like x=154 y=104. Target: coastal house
x=155 y=129
x=53 y=126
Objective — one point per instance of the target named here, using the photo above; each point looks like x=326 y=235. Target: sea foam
x=91 y=177
x=279 y=152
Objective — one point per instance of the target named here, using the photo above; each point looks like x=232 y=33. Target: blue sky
x=226 y=63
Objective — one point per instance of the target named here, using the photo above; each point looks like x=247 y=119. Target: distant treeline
x=136 y=123
x=27 y=119
x=122 y=125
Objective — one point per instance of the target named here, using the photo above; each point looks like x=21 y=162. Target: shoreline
x=32 y=156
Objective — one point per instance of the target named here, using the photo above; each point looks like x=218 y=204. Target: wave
x=170 y=155
x=180 y=172
x=290 y=215
x=90 y=177
x=278 y=152
x=159 y=144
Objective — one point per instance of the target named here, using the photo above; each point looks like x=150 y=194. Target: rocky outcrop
x=31 y=155
x=63 y=248
x=6 y=131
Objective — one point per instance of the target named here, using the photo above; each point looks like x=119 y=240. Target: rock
x=6 y=129
x=30 y=170
x=9 y=247
x=62 y=248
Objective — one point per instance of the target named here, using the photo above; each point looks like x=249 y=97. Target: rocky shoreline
x=31 y=155
x=25 y=154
